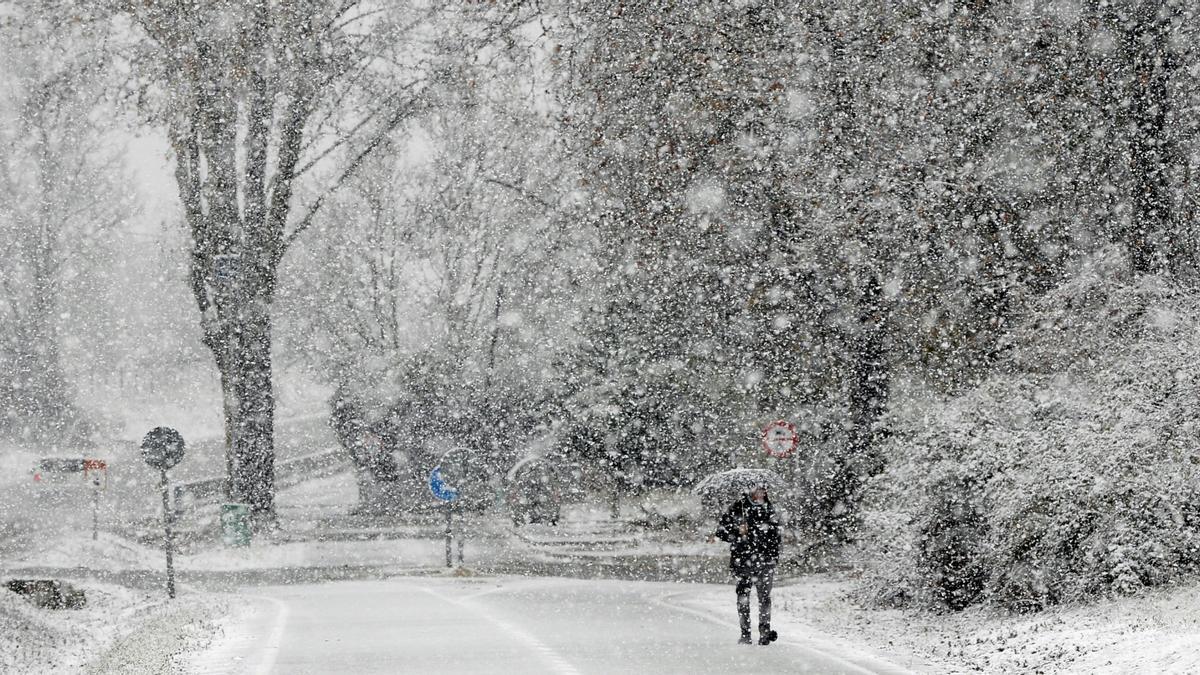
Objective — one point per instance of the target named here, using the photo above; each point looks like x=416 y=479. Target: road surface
x=497 y=625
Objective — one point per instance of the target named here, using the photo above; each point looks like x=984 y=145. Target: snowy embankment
x=188 y=399
x=1157 y=632
x=119 y=630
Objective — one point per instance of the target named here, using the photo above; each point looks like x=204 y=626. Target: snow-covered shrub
x=398 y=418
x=949 y=551
x=1073 y=472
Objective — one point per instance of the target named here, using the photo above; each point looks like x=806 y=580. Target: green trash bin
x=235 y=524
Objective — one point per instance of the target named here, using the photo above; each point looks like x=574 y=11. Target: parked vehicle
x=59 y=471
x=534 y=491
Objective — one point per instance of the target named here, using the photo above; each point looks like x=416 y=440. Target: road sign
x=439 y=488
x=780 y=438
x=162 y=448
x=97 y=470
x=453 y=467
x=226 y=268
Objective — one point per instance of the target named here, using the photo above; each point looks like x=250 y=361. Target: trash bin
x=235 y=524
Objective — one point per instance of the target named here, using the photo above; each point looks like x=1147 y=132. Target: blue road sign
x=437 y=485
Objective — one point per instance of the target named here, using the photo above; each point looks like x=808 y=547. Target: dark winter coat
x=757 y=550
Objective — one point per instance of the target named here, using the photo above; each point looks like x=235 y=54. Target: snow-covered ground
x=119 y=630
x=227 y=616
x=502 y=624
x=1155 y=633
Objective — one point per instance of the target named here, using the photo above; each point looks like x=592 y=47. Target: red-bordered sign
x=780 y=439
x=98 y=469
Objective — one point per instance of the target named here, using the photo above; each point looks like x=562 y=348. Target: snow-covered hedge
x=1069 y=474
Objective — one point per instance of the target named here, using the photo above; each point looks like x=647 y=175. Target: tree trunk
x=229 y=406
x=1148 y=57
x=253 y=479
x=867 y=400
x=234 y=258
x=869 y=379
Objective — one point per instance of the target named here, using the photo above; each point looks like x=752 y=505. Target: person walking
x=751 y=527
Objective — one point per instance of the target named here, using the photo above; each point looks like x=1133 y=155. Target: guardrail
x=288 y=473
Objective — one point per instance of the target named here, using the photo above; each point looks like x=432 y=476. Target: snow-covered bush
x=1071 y=473
x=398 y=418
x=949 y=551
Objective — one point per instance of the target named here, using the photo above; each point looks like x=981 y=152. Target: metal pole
x=449 y=562
x=460 y=538
x=95 y=507
x=170 y=543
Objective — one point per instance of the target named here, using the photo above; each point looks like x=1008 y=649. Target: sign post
x=51 y=469
x=448 y=494
x=780 y=439
x=162 y=449
x=95 y=467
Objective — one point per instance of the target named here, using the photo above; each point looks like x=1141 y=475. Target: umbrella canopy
x=727 y=486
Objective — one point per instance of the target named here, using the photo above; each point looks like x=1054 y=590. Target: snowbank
x=1158 y=632
x=120 y=630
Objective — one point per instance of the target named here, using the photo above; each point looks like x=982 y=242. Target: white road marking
x=243 y=648
x=275 y=637
x=665 y=601
x=552 y=658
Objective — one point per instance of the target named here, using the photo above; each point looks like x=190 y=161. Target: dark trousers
x=762 y=582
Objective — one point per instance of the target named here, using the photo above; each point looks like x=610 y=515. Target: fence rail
x=288 y=473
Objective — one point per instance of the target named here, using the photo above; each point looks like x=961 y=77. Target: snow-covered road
x=498 y=625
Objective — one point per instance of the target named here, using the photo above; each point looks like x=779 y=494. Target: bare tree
x=443 y=291
x=435 y=253
x=56 y=193
x=262 y=100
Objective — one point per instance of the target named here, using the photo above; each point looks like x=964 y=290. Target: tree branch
x=525 y=194
x=378 y=141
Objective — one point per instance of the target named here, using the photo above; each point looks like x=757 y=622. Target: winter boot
x=766 y=637
x=745 y=639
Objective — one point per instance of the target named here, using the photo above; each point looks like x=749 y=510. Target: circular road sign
x=162 y=448
x=780 y=438
x=437 y=485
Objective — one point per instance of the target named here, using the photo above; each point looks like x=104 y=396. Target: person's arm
x=727 y=529
x=773 y=536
